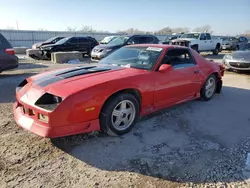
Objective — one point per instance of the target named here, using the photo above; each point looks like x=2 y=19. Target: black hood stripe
x=69 y=73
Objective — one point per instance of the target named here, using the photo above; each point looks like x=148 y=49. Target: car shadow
x=195 y=142
x=8 y=83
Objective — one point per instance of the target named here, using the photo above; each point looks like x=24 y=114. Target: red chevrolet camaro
x=110 y=96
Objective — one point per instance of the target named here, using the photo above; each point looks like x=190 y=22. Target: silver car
x=238 y=60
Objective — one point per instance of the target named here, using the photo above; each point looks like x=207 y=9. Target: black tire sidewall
x=216 y=50
x=203 y=90
x=105 y=117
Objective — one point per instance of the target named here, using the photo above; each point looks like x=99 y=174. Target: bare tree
x=71 y=29
x=180 y=30
x=207 y=28
x=87 y=29
x=164 y=31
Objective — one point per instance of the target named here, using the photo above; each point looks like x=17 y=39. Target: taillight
x=10 y=51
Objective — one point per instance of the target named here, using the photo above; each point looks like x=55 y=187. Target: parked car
x=8 y=60
x=49 y=41
x=102 y=51
x=169 y=39
x=201 y=42
x=234 y=43
x=107 y=39
x=83 y=44
x=133 y=81
x=238 y=60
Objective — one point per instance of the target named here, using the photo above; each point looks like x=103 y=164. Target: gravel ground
x=196 y=144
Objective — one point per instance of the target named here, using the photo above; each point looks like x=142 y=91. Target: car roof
x=164 y=46
x=138 y=35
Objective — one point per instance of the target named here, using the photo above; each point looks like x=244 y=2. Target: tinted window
x=137 y=40
x=83 y=40
x=203 y=36
x=4 y=43
x=179 y=58
x=208 y=36
x=150 y=40
x=73 y=40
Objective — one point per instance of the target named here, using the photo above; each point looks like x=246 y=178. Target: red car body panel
x=84 y=95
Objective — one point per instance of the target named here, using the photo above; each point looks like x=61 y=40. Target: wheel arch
x=218 y=83
x=218 y=45
x=135 y=92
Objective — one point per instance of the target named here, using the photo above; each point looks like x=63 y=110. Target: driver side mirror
x=165 y=68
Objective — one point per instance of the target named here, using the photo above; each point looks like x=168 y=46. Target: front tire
x=119 y=114
x=209 y=88
x=216 y=50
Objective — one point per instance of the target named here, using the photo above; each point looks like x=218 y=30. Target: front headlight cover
x=48 y=101
x=108 y=50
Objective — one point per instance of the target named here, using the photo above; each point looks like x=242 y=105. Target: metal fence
x=23 y=38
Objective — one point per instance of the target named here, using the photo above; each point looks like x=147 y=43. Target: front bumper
x=236 y=65
x=227 y=47
x=96 y=56
x=32 y=124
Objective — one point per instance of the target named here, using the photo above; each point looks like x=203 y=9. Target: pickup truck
x=201 y=42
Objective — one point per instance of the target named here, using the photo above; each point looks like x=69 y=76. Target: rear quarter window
x=4 y=43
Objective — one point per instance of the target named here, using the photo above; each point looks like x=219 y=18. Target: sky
x=229 y=17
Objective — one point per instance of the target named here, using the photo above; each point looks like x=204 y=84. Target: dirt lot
x=196 y=144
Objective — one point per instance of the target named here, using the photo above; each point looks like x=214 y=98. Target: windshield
x=118 y=41
x=107 y=40
x=230 y=39
x=191 y=35
x=135 y=57
x=62 y=41
x=50 y=40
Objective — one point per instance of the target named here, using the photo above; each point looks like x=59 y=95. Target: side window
x=208 y=36
x=135 y=40
x=83 y=40
x=203 y=36
x=73 y=40
x=179 y=58
x=150 y=40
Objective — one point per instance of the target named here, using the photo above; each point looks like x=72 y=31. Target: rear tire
x=209 y=88
x=216 y=50
x=119 y=114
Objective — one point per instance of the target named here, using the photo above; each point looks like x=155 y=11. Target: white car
x=201 y=42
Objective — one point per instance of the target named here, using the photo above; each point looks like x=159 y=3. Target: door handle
x=196 y=71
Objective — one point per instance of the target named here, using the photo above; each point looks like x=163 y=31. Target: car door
x=203 y=42
x=209 y=42
x=72 y=44
x=84 y=44
x=179 y=84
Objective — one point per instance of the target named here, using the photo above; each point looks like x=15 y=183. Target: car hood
x=65 y=82
x=106 y=46
x=49 y=45
x=241 y=55
x=228 y=42
x=183 y=39
x=37 y=45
